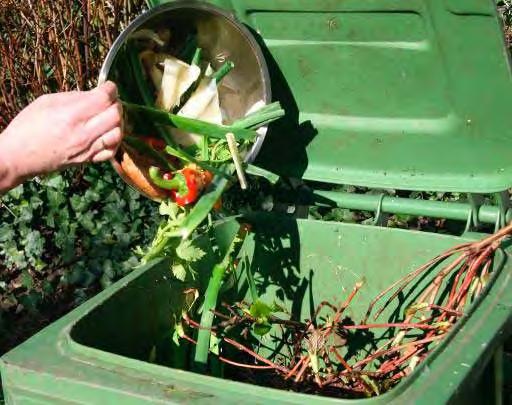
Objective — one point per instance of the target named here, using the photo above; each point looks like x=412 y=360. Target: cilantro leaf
x=179 y=271
x=188 y=252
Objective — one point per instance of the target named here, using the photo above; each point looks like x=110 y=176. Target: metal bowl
x=221 y=36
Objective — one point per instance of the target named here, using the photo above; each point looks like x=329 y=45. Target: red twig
x=236 y=364
x=341 y=359
x=342 y=308
x=396 y=349
x=390 y=325
x=241 y=347
x=295 y=368
x=305 y=364
x=411 y=276
x=447 y=310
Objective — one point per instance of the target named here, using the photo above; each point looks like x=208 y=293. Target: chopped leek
x=177 y=79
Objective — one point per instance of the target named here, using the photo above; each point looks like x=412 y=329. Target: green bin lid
x=406 y=94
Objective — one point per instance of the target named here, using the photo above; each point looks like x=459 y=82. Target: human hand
x=60 y=130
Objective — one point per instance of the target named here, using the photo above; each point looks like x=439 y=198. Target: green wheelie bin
x=401 y=94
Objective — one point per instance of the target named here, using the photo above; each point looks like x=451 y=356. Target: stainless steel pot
x=221 y=37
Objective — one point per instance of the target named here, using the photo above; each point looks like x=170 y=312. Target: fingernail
x=103 y=155
x=109 y=87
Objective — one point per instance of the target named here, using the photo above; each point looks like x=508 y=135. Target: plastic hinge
x=471 y=7
x=378 y=218
x=503 y=205
x=475 y=202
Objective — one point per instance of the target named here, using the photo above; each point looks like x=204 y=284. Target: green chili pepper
x=178 y=181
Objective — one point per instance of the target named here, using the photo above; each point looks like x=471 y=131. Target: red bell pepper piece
x=185 y=186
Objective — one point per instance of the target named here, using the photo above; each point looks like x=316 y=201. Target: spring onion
x=145 y=93
x=261 y=116
x=211 y=298
x=197 y=57
x=191 y=125
x=235 y=154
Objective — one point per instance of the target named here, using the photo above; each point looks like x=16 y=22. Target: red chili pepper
x=159 y=145
x=155 y=143
x=184 y=186
x=194 y=185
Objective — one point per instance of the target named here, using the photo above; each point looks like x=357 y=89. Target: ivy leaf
x=6 y=232
x=35 y=202
x=26 y=280
x=26 y=212
x=86 y=220
x=16 y=192
x=15 y=256
x=30 y=301
x=54 y=181
x=34 y=244
x=78 y=203
x=105 y=281
x=55 y=198
x=188 y=252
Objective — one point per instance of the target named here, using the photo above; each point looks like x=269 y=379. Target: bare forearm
x=8 y=177
x=60 y=130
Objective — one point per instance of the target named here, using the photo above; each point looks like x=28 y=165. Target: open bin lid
x=406 y=94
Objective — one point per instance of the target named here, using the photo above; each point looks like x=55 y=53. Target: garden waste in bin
x=385 y=94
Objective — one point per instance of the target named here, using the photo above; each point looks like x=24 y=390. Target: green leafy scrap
x=261 y=313
x=188 y=252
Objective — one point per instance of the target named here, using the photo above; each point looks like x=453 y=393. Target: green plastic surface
x=99 y=353
x=407 y=94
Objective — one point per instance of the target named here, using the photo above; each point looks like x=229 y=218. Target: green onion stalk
x=172 y=232
x=211 y=298
x=198 y=127
x=142 y=86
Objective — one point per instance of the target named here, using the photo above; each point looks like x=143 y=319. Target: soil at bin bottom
x=270 y=378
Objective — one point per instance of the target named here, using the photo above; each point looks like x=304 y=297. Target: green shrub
x=75 y=231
